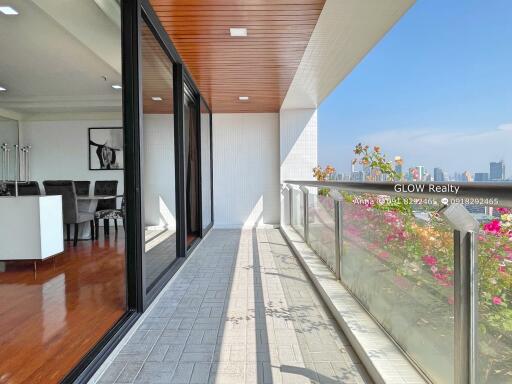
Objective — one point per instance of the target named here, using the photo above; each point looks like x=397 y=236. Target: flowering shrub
x=420 y=254
x=416 y=256
x=376 y=161
x=322 y=175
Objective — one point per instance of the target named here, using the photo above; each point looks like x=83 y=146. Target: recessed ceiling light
x=156 y=98
x=238 y=32
x=117 y=86
x=6 y=10
x=2 y=89
x=243 y=98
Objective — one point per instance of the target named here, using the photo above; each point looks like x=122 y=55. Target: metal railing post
x=338 y=231
x=465 y=292
x=290 y=198
x=305 y=196
x=338 y=238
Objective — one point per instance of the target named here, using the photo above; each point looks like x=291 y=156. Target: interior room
x=62 y=239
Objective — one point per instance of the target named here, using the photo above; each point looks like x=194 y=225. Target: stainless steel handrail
x=496 y=194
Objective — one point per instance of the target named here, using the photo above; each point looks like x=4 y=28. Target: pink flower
x=502 y=268
x=496 y=300
x=493 y=227
x=504 y=210
x=442 y=279
x=383 y=255
x=451 y=300
x=429 y=260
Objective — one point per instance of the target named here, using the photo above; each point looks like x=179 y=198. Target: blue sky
x=437 y=90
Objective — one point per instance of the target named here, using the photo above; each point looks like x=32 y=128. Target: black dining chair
x=30 y=188
x=70 y=212
x=105 y=187
x=111 y=214
x=82 y=187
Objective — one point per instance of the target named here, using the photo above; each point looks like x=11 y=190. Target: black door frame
x=133 y=14
x=181 y=77
x=195 y=97
x=205 y=230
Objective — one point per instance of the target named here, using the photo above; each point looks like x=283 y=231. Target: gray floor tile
x=241 y=310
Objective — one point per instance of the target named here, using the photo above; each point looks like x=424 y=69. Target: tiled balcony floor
x=241 y=310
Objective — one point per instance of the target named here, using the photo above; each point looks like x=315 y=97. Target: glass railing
x=437 y=278
x=321 y=227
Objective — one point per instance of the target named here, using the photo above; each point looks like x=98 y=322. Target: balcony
x=432 y=277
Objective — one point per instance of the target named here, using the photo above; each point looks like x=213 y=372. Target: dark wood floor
x=50 y=319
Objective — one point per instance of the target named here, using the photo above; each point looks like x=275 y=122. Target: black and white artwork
x=105 y=149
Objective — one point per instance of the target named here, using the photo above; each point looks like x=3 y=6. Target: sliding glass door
x=62 y=188
x=158 y=168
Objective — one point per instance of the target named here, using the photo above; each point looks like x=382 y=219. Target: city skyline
x=358 y=171
x=427 y=93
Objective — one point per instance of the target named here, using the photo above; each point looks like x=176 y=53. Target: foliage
x=376 y=161
x=322 y=175
x=420 y=254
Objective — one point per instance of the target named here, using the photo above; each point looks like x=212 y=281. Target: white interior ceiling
x=346 y=31
x=54 y=55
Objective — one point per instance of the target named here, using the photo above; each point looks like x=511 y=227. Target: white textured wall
x=298 y=143
x=60 y=151
x=246 y=169
x=298 y=147
x=159 y=176
x=9 y=132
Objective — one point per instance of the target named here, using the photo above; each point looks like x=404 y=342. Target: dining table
x=88 y=203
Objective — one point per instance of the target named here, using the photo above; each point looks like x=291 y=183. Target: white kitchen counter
x=30 y=227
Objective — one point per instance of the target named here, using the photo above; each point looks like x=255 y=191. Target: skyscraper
x=481 y=176
x=497 y=170
x=398 y=164
x=421 y=172
x=438 y=174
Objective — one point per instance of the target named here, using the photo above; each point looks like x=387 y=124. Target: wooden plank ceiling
x=261 y=65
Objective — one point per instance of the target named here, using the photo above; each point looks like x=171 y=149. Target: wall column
x=298 y=148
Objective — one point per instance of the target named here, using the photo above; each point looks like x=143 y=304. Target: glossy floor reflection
x=51 y=318
x=160 y=250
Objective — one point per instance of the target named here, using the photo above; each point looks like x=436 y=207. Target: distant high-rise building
x=497 y=170
x=398 y=164
x=438 y=174
x=421 y=172
x=357 y=176
x=481 y=176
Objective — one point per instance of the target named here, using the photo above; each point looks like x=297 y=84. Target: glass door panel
x=158 y=169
